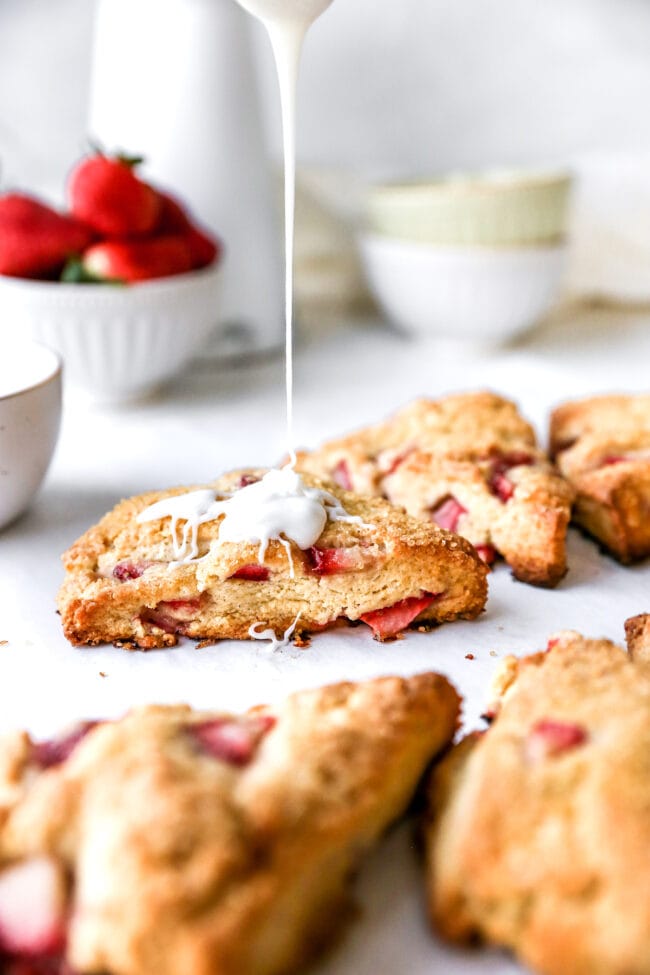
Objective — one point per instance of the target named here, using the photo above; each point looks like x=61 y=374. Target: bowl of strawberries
x=124 y=284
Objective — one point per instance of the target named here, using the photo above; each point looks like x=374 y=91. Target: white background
x=388 y=85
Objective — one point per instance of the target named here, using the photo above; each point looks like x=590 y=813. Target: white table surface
x=216 y=418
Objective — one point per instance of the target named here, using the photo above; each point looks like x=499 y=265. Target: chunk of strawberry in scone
x=447 y=514
x=252 y=573
x=329 y=561
x=55 y=751
x=32 y=909
x=172 y=616
x=341 y=475
x=126 y=570
x=548 y=739
x=388 y=622
x=487 y=552
x=501 y=485
x=232 y=741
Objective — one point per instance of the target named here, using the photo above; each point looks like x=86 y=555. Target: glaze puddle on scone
x=279 y=507
x=470 y=463
x=538 y=830
x=371 y=562
x=178 y=842
x=602 y=446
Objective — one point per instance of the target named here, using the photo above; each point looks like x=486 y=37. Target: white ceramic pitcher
x=174 y=80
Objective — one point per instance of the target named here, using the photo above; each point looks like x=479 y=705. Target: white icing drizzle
x=275 y=642
x=287 y=22
x=280 y=506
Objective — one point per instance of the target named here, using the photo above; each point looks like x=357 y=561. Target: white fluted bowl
x=117 y=342
x=485 y=295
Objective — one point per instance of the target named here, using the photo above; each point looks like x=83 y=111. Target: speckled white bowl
x=30 y=414
x=479 y=295
x=117 y=342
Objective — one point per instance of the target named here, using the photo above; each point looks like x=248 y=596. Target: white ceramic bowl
x=30 y=414
x=117 y=342
x=478 y=294
x=502 y=208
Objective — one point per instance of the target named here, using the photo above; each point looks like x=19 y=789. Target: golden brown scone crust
x=399 y=558
x=547 y=852
x=602 y=446
x=184 y=863
x=433 y=450
x=637 y=633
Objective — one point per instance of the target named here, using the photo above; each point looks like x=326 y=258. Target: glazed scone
x=539 y=829
x=602 y=446
x=470 y=463
x=637 y=633
x=175 y=841
x=122 y=584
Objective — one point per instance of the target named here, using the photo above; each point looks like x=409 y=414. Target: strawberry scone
x=637 y=634
x=602 y=446
x=471 y=464
x=148 y=573
x=538 y=831
x=175 y=841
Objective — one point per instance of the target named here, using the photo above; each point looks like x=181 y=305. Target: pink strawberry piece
x=172 y=616
x=549 y=738
x=386 y=623
x=397 y=461
x=341 y=475
x=498 y=483
x=553 y=642
x=487 y=552
x=49 y=965
x=246 y=479
x=501 y=486
x=613 y=459
x=126 y=570
x=448 y=513
x=55 y=751
x=32 y=909
x=329 y=561
x=231 y=740
x=252 y=573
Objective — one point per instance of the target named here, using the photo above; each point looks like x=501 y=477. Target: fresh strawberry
x=252 y=573
x=35 y=240
x=138 y=260
x=231 y=740
x=329 y=561
x=57 y=750
x=386 y=623
x=447 y=514
x=32 y=909
x=105 y=193
x=550 y=738
x=204 y=249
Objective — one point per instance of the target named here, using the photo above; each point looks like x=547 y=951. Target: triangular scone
x=179 y=842
x=637 y=633
x=602 y=447
x=471 y=463
x=389 y=571
x=539 y=828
